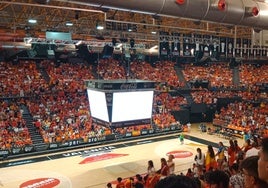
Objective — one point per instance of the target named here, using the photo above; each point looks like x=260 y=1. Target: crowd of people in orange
x=13 y=130
x=59 y=105
x=162 y=72
x=210 y=97
x=251 y=74
x=218 y=75
x=229 y=166
x=247 y=116
x=20 y=79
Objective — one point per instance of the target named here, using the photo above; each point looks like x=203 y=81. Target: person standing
x=109 y=185
x=139 y=181
x=129 y=183
x=171 y=164
x=220 y=155
x=120 y=183
x=236 y=179
x=189 y=173
x=247 y=145
x=239 y=152
x=217 y=179
x=181 y=137
x=150 y=168
x=189 y=127
x=164 y=170
x=200 y=160
x=249 y=169
x=252 y=151
x=150 y=176
x=231 y=153
x=210 y=160
x=178 y=181
x=195 y=171
x=263 y=160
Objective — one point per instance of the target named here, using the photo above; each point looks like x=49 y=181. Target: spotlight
x=221 y=5
x=180 y=2
x=255 y=11
x=99 y=26
x=251 y=11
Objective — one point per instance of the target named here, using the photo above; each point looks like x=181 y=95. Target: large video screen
x=134 y=105
x=97 y=104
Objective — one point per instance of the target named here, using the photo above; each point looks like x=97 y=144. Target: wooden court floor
x=95 y=167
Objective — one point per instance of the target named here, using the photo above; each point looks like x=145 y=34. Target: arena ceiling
x=52 y=15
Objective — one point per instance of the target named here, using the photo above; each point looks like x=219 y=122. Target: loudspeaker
x=114 y=41
x=132 y=43
x=107 y=51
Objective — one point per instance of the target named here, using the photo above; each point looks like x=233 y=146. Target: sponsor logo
x=180 y=154
x=128 y=86
x=101 y=157
x=20 y=163
x=41 y=183
x=90 y=151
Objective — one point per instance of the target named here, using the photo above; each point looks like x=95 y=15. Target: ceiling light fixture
x=69 y=24
x=33 y=21
x=99 y=26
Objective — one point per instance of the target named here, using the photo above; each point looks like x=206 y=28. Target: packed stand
x=161 y=72
x=13 y=130
x=218 y=74
x=165 y=102
x=68 y=77
x=20 y=79
x=111 y=69
x=251 y=75
x=246 y=116
x=64 y=117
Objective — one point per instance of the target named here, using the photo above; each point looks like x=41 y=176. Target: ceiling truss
x=14 y=26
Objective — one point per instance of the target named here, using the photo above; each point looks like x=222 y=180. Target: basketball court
x=94 y=167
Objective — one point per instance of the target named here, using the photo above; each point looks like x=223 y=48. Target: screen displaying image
x=97 y=103
x=134 y=105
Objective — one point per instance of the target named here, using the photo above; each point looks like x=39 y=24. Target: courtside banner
x=238 y=47
x=230 y=47
x=245 y=47
x=223 y=46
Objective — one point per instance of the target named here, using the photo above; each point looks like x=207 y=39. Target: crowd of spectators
x=246 y=115
x=59 y=104
x=211 y=97
x=68 y=77
x=13 y=130
x=164 y=102
x=111 y=69
x=162 y=72
x=252 y=74
x=218 y=74
x=64 y=117
x=20 y=79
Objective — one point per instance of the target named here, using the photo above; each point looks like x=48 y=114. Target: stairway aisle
x=236 y=78
x=36 y=137
x=43 y=72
